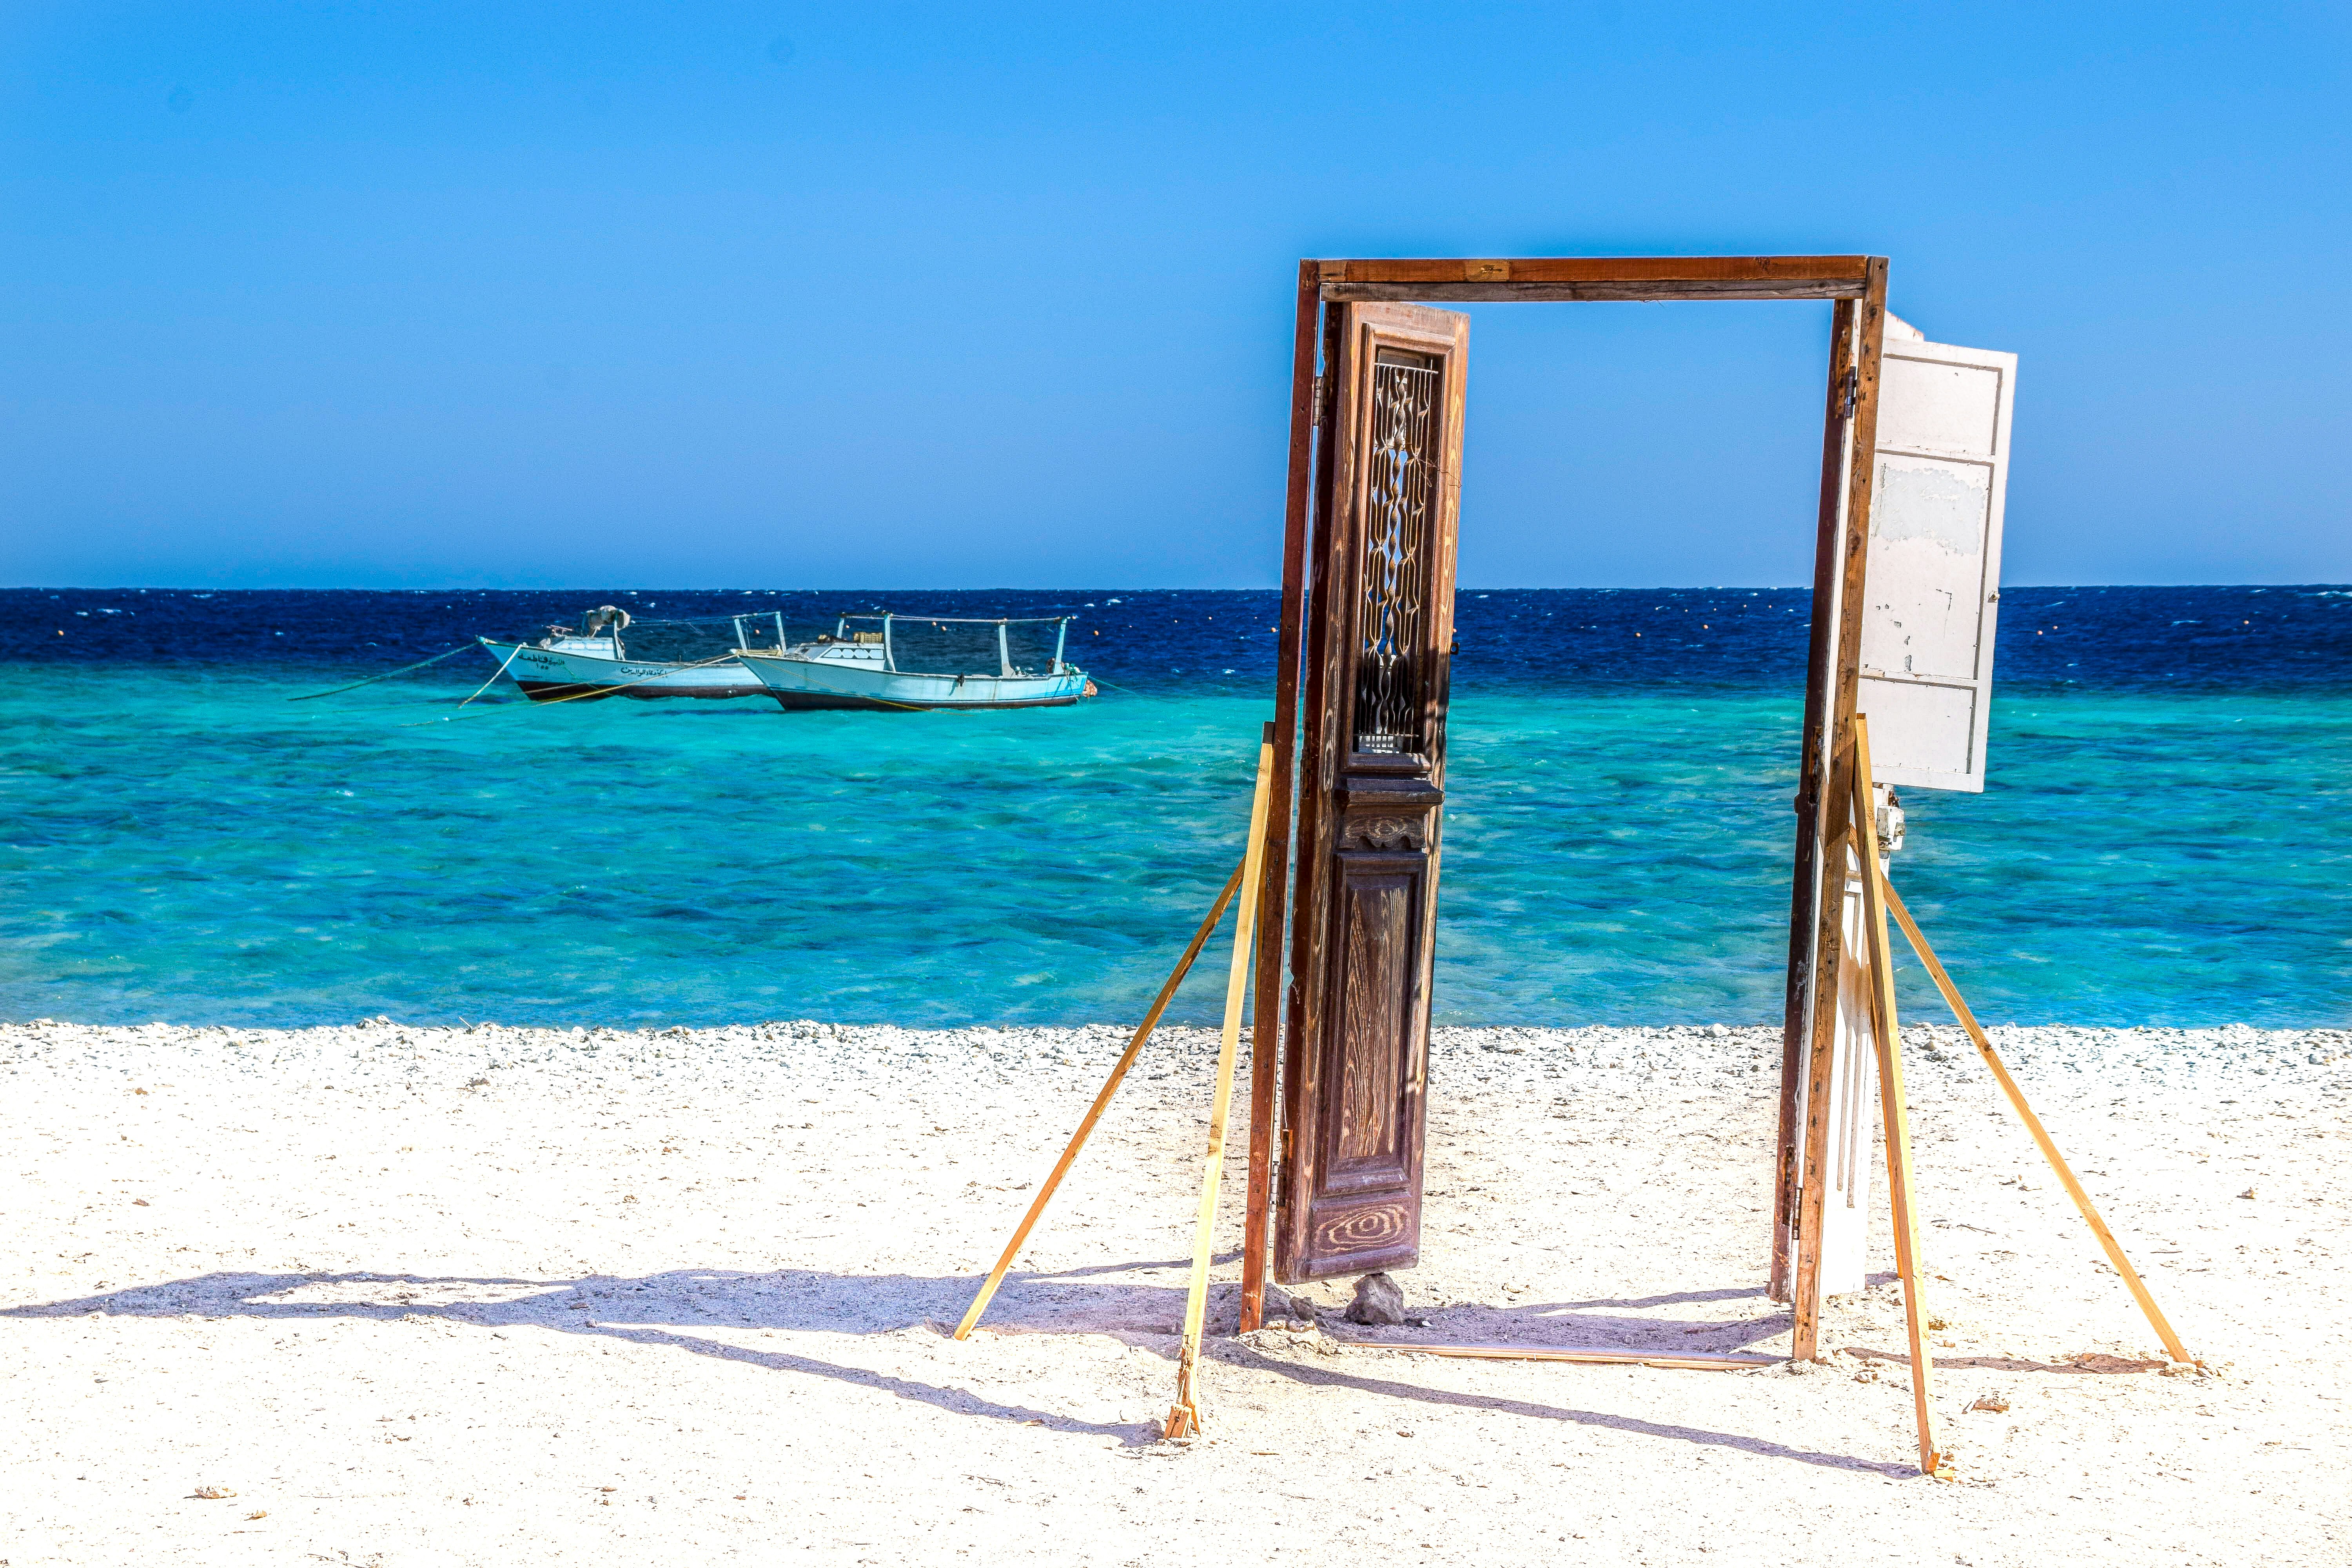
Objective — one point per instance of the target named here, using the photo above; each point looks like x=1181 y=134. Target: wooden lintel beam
x=1570 y=278
x=1568 y=293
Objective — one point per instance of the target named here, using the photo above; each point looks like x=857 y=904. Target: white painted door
x=1933 y=581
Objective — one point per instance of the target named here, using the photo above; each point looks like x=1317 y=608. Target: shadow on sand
x=679 y=1310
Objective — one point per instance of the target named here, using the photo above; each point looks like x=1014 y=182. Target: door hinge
x=1853 y=390
x=1317 y=417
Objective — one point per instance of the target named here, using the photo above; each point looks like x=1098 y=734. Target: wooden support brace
x=2114 y=1249
x=1812 y=1127
x=1184 y=1416
x=1686 y=1361
x=1094 y=1112
x=1897 y=1115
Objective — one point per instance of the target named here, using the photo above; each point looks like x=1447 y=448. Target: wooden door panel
x=1371 y=791
x=1370 y=1124
x=1364 y=1235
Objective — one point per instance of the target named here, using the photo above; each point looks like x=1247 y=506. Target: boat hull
x=549 y=675
x=818 y=683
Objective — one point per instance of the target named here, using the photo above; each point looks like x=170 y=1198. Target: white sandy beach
x=497 y=1295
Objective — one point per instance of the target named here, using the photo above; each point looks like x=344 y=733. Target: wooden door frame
x=1857 y=286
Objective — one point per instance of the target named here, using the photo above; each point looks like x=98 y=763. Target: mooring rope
x=576 y=696
x=388 y=675
x=493 y=681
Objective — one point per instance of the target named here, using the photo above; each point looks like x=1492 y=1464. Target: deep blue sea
x=2167 y=837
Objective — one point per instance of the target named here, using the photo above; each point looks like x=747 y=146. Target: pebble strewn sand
x=418 y=1296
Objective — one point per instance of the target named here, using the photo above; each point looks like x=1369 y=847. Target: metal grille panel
x=1399 y=529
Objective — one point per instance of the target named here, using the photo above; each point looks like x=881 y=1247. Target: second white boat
x=861 y=669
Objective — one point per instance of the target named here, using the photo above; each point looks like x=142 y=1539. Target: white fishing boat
x=592 y=663
x=903 y=662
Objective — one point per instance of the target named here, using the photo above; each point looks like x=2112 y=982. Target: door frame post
x=1832 y=818
x=1266 y=1017
x=1805 y=885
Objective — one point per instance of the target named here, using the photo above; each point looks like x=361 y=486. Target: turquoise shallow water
x=184 y=843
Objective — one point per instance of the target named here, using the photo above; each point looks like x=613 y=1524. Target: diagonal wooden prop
x=1893 y=1111
x=1689 y=1360
x=2172 y=1345
x=1184 y=1416
x=1102 y=1102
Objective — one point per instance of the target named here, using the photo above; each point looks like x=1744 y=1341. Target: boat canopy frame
x=1004 y=670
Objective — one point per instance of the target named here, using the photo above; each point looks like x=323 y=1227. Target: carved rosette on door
x=1380 y=617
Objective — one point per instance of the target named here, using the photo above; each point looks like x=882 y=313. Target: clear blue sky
x=905 y=296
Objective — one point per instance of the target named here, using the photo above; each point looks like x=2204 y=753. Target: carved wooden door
x=1372 y=789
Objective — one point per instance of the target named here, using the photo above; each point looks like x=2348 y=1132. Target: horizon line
x=935 y=588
